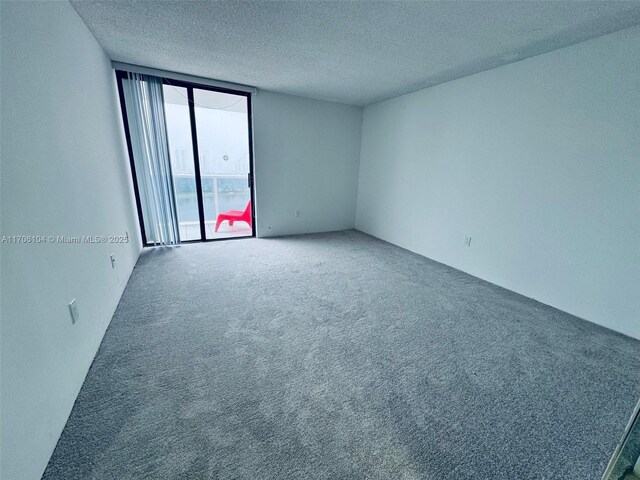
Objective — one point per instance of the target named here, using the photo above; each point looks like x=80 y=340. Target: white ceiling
x=352 y=52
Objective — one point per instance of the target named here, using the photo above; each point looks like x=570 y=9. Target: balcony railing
x=222 y=197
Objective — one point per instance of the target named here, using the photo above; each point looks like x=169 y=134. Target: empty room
x=319 y=240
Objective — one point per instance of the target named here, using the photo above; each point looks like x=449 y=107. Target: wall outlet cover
x=73 y=310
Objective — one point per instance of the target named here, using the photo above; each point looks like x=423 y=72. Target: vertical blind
x=144 y=102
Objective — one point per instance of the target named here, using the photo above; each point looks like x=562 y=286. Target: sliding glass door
x=176 y=107
x=208 y=133
x=223 y=146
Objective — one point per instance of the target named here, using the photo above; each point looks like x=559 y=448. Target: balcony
x=221 y=193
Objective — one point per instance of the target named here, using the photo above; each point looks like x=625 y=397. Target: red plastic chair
x=235 y=216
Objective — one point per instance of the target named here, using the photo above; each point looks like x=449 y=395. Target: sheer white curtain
x=145 y=115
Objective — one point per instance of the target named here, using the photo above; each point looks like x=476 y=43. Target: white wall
x=64 y=172
x=538 y=161
x=306 y=158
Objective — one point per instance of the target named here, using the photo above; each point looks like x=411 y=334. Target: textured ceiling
x=350 y=52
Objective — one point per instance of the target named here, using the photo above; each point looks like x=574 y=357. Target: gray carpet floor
x=339 y=356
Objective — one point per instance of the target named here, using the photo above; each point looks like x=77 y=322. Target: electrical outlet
x=298 y=213
x=467 y=241
x=113 y=261
x=73 y=310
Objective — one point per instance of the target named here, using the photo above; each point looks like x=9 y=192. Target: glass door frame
x=190 y=86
